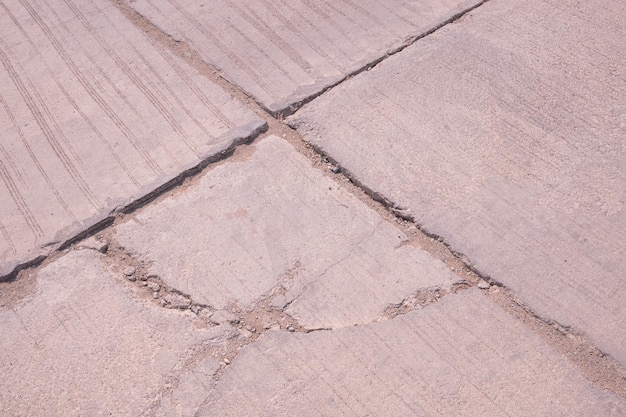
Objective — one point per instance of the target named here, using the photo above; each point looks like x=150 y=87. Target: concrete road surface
x=443 y=233
x=94 y=115
x=282 y=53
x=505 y=133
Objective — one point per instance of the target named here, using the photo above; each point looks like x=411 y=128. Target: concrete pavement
x=504 y=133
x=272 y=281
x=285 y=53
x=95 y=115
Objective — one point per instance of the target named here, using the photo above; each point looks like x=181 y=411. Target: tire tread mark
x=263 y=52
x=74 y=105
x=99 y=134
x=294 y=28
x=366 y=13
x=316 y=28
x=40 y=112
x=21 y=204
x=230 y=54
x=178 y=101
x=35 y=160
x=13 y=168
x=7 y=237
x=392 y=11
x=254 y=20
x=327 y=16
x=343 y=14
x=87 y=85
x=192 y=85
x=150 y=93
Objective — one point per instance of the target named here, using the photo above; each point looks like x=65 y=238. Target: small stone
x=94 y=244
x=226 y=361
x=246 y=334
x=132 y=278
x=154 y=286
x=250 y=329
x=291 y=329
x=155 y=295
x=129 y=271
x=483 y=285
x=336 y=170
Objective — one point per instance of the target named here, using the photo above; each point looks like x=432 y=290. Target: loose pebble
x=483 y=285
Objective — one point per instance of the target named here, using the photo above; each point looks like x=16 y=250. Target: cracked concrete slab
x=83 y=344
x=461 y=357
x=284 y=52
x=271 y=226
x=504 y=133
x=93 y=114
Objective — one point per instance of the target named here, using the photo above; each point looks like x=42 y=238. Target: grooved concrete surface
x=268 y=285
x=282 y=52
x=93 y=114
x=274 y=226
x=505 y=133
x=437 y=361
x=85 y=345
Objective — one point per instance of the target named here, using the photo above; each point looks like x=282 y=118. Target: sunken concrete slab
x=461 y=356
x=84 y=344
x=272 y=227
x=93 y=115
x=504 y=133
x=285 y=52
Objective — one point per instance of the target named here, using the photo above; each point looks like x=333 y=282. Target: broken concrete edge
x=236 y=137
x=395 y=209
x=285 y=108
x=485 y=279
x=226 y=145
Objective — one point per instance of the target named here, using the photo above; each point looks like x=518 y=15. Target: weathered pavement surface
x=269 y=284
x=94 y=115
x=283 y=53
x=505 y=133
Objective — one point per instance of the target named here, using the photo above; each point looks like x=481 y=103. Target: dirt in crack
x=601 y=369
x=248 y=322
x=422 y=298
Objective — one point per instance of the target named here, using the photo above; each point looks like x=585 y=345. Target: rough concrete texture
x=504 y=133
x=192 y=390
x=459 y=357
x=93 y=114
x=283 y=52
x=85 y=345
x=273 y=226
